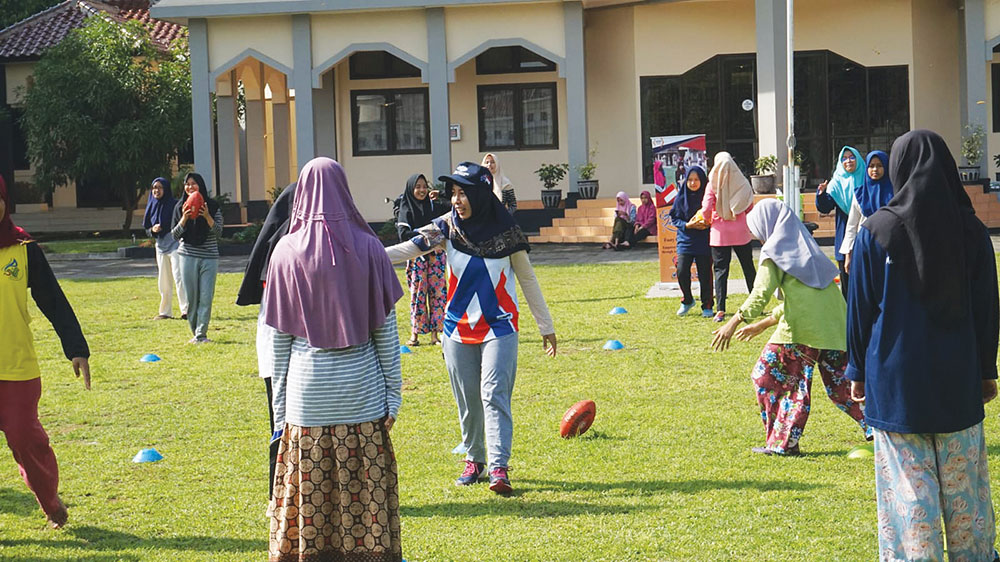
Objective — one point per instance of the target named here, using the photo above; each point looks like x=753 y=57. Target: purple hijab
x=329 y=280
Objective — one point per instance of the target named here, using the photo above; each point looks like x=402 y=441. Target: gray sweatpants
x=482 y=379
x=198 y=275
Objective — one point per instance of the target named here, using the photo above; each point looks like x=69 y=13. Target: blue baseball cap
x=469 y=174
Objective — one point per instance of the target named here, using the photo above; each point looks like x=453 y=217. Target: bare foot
x=59 y=518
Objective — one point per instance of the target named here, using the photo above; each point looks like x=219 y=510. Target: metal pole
x=792 y=196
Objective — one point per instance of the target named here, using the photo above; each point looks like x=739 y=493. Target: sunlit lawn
x=666 y=472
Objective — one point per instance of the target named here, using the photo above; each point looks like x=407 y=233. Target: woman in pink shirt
x=728 y=199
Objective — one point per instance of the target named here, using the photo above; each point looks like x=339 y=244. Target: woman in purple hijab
x=330 y=296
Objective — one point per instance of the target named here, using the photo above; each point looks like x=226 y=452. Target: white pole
x=792 y=196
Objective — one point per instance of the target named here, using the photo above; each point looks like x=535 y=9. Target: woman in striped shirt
x=330 y=296
x=199 y=252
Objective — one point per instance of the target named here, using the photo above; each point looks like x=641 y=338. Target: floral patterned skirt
x=783 y=380
x=335 y=495
x=921 y=478
x=425 y=277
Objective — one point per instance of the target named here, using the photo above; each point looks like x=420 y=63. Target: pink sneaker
x=499 y=482
x=474 y=472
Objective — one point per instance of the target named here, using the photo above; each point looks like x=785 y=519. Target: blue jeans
x=198 y=276
x=482 y=379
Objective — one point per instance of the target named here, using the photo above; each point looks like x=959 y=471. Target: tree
x=13 y=11
x=107 y=105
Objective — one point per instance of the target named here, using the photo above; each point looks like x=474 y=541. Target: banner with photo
x=672 y=156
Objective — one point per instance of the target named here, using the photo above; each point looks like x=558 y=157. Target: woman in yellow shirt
x=23 y=266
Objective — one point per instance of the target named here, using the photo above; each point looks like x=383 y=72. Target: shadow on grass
x=90 y=538
x=529 y=508
x=17 y=502
x=633 y=487
x=542 y=509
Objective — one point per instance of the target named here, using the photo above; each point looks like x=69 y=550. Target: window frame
x=391 y=133
x=386 y=67
x=516 y=69
x=517 y=87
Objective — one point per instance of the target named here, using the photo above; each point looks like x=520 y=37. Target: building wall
x=934 y=74
x=613 y=98
x=17 y=80
x=404 y=29
x=878 y=35
x=228 y=37
x=468 y=27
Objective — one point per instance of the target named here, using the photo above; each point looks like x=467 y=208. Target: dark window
x=508 y=60
x=837 y=102
x=517 y=117
x=368 y=65
x=995 y=69
x=390 y=122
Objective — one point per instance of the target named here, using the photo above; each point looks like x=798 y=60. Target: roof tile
x=29 y=38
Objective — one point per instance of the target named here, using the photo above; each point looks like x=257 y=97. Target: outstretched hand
x=549 y=344
x=82 y=366
x=724 y=334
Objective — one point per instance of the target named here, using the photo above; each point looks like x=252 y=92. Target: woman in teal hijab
x=838 y=195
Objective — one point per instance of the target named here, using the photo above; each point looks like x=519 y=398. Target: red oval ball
x=195 y=202
x=578 y=419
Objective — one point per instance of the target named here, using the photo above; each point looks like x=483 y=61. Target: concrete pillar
x=253 y=87
x=576 y=95
x=305 y=146
x=201 y=101
x=281 y=128
x=772 y=79
x=227 y=130
x=325 y=117
x=437 y=87
x=974 y=64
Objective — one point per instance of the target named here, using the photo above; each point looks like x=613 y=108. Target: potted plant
x=587 y=185
x=972 y=151
x=550 y=175
x=763 y=181
x=996 y=162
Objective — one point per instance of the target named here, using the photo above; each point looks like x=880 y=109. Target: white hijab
x=732 y=191
x=500 y=181
x=787 y=243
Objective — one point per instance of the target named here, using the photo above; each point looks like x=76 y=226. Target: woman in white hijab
x=811 y=329
x=502 y=187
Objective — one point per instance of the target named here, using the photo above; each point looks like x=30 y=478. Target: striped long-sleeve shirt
x=318 y=387
x=209 y=249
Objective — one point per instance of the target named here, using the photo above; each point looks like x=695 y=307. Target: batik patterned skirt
x=335 y=495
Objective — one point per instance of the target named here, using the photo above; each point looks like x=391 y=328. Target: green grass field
x=666 y=472
x=87 y=246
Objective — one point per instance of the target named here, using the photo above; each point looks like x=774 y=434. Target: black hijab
x=414 y=212
x=275 y=226
x=491 y=231
x=929 y=224
x=688 y=202
x=197 y=231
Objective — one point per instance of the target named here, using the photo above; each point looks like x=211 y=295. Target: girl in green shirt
x=811 y=328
